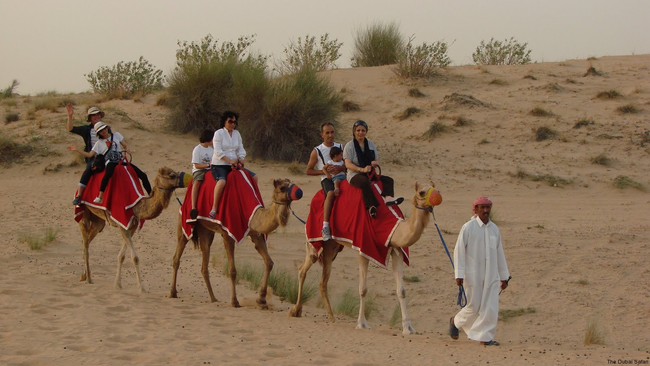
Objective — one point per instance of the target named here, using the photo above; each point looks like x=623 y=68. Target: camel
x=264 y=221
x=94 y=220
x=407 y=233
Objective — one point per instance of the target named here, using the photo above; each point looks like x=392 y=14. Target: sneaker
x=76 y=201
x=327 y=233
x=395 y=201
x=372 y=211
x=98 y=200
x=194 y=214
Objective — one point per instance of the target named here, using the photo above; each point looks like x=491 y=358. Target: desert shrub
x=210 y=78
x=508 y=52
x=610 y=94
x=583 y=123
x=628 y=109
x=296 y=168
x=11 y=151
x=550 y=179
x=601 y=159
x=545 y=133
x=529 y=76
x=591 y=71
x=415 y=93
x=162 y=100
x=435 y=130
x=307 y=54
x=350 y=106
x=506 y=314
x=125 y=79
x=199 y=94
x=349 y=304
x=377 y=44
x=622 y=182
x=541 y=112
x=408 y=112
x=36 y=242
x=499 y=82
x=593 y=335
x=8 y=92
x=11 y=117
x=461 y=121
x=424 y=60
x=294 y=107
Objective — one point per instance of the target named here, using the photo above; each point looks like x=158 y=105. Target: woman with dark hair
x=228 y=153
x=361 y=158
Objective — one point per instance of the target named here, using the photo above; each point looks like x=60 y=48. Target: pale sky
x=50 y=45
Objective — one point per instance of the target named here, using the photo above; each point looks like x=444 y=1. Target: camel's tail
x=195 y=239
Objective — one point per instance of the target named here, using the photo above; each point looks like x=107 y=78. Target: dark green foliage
x=306 y=54
x=293 y=110
x=376 y=45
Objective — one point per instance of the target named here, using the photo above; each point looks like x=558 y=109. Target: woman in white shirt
x=228 y=152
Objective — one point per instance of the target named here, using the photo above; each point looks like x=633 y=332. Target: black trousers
x=361 y=181
x=110 y=169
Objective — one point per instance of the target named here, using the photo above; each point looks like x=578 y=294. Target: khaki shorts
x=199 y=175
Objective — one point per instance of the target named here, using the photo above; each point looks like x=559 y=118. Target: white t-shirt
x=324 y=154
x=202 y=155
x=226 y=145
x=101 y=146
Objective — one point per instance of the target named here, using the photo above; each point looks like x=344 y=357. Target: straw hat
x=100 y=126
x=94 y=110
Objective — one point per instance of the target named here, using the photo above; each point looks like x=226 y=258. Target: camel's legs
x=396 y=257
x=205 y=238
x=127 y=236
x=310 y=258
x=229 y=244
x=181 y=242
x=330 y=250
x=363 y=290
x=90 y=226
x=261 y=247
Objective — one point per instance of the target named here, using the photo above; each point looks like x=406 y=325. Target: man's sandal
x=490 y=343
x=453 y=331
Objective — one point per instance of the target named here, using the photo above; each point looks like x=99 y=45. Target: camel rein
x=288 y=204
x=462 y=297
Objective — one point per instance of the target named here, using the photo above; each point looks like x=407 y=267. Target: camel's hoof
x=408 y=330
x=143 y=290
x=235 y=304
x=296 y=313
x=213 y=300
x=118 y=286
x=173 y=295
x=262 y=303
x=83 y=277
x=363 y=326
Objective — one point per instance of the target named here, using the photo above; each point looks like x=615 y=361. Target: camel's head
x=169 y=179
x=426 y=196
x=285 y=191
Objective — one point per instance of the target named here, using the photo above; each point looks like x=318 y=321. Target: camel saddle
x=123 y=192
x=352 y=226
x=239 y=200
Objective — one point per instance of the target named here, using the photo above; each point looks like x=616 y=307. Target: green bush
x=508 y=52
x=293 y=109
x=306 y=54
x=12 y=152
x=210 y=78
x=8 y=92
x=424 y=60
x=126 y=79
x=377 y=44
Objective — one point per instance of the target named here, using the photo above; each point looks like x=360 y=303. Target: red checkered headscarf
x=481 y=201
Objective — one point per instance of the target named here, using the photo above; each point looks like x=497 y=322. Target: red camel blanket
x=239 y=200
x=122 y=193
x=351 y=224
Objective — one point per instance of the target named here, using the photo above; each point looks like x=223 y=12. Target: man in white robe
x=480 y=265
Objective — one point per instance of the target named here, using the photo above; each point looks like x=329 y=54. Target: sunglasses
x=231 y=121
x=360 y=123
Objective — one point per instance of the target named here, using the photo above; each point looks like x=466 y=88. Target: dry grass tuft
x=529 y=76
x=435 y=130
x=601 y=159
x=461 y=121
x=499 y=82
x=623 y=182
x=583 y=123
x=610 y=94
x=506 y=314
x=591 y=71
x=541 y=112
x=545 y=133
x=350 y=106
x=628 y=109
x=592 y=334
x=296 y=168
x=408 y=112
x=416 y=93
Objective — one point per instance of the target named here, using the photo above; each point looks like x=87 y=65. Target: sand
x=577 y=248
